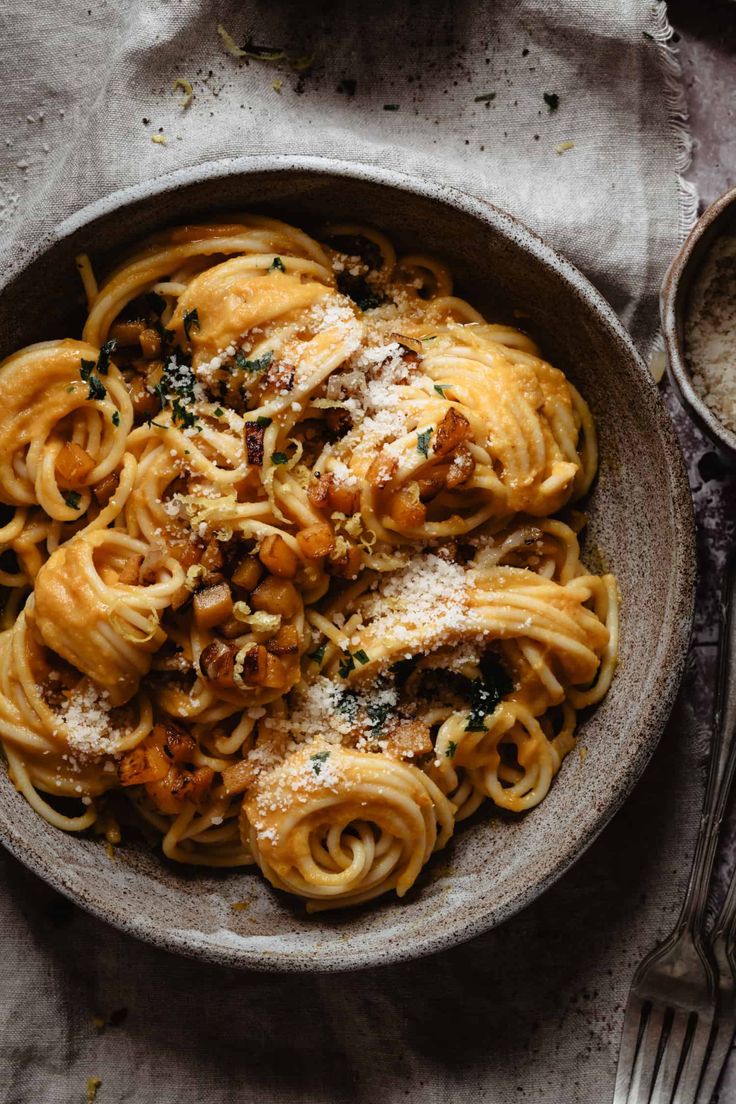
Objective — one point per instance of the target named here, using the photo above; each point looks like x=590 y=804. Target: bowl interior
x=640 y=527
x=717 y=221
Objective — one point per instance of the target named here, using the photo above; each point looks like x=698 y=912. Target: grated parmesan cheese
x=710 y=332
x=85 y=714
x=424 y=603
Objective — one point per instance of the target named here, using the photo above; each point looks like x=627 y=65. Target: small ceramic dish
x=719 y=219
x=639 y=526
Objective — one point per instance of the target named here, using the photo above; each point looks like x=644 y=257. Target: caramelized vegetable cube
x=318 y=491
x=409 y=738
x=212 y=557
x=407 y=509
x=106 y=488
x=451 y=432
x=381 y=470
x=254 y=443
x=276 y=676
x=253 y=663
x=177 y=744
x=73 y=464
x=238 y=777
x=145 y=403
x=461 y=468
x=316 y=541
x=345 y=560
x=170 y=793
x=213 y=606
x=344 y=499
x=326 y=493
x=277 y=556
x=276 y=596
x=131 y=571
x=150 y=343
x=285 y=642
x=193 y=785
x=127 y=333
x=232 y=628
x=141 y=765
x=217 y=663
x=247 y=573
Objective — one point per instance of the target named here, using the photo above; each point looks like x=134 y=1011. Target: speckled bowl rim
x=672 y=654
x=672 y=310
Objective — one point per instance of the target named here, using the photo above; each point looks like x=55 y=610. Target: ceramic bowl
x=720 y=218
x=640 y=527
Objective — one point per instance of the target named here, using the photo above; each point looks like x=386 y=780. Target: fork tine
x=716 y=1061
x=631 y=1035
x=677 y=1044
x=651 y=1050
x=687 y=1088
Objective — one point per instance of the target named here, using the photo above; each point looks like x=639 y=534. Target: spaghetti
x=290 y=567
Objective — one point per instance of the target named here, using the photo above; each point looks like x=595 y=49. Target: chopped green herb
x=648 y=36
x=318 y=760
x=319 y=654
x=347 y=664
x=218 y=411
x=369 y=301
x=450 y=749
x=423 y=441
x=103 y=360
x=70 y=388
x=72 y=499
x=258 y=365
x=182 y=414
x=279 y=458
x=552 y=100
x=440 y=388
x=485 y=98
x=486 y=692
x=177 y=382
x=191 y=318
x=277 y=265
x=97 y=389
x=263 y=422
x=362 y=656
x=347 y=704
x=390 y=107
x=167 y=336
x=116 y=417
x=378 y=711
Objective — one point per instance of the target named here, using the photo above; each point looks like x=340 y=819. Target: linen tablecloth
x=565 y=112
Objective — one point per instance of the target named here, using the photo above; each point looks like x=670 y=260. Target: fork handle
x=722 y=765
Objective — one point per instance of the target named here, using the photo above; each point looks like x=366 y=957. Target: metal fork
x=723 y=943
x=669 y=1025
